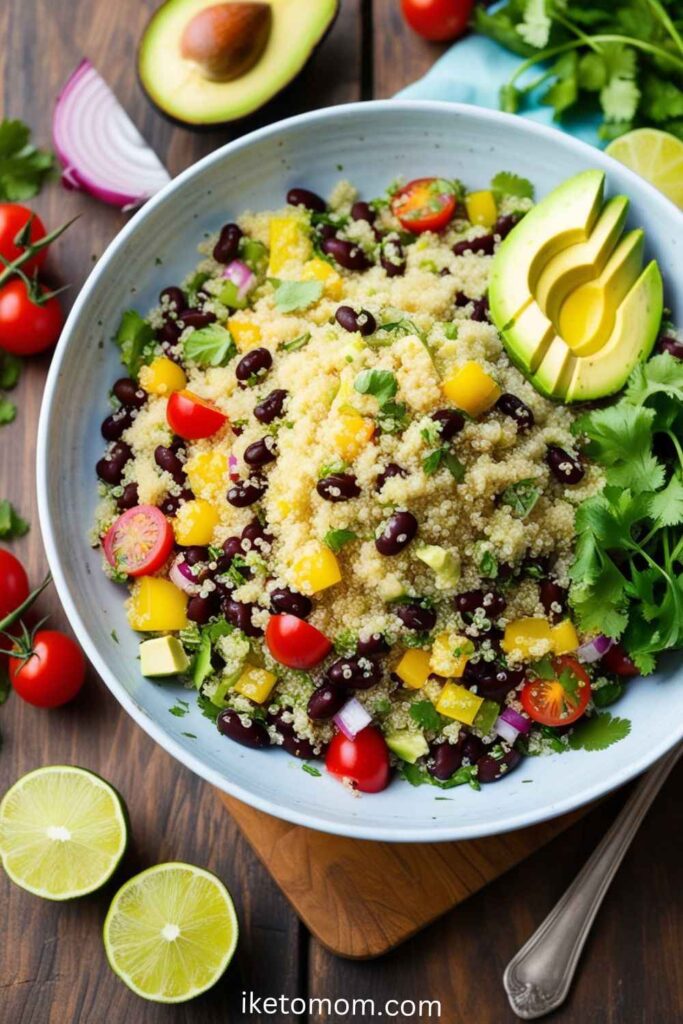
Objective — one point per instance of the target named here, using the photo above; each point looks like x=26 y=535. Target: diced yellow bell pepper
x=444 y=661
x=289 y=241
x=457 y=702
x=524 y=635
x=156 y=605
x=471 y=389
x=245 y=334
x=320 y=270
x=351 y=435
x=316 y=571
x=162 y=377
x=255 y=683
x=481 y=208
x=564 y=637
x=207 y=473
x=414 y=668
x=195 y=522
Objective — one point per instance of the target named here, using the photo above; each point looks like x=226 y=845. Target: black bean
x=397 y=533
x=355 y=673
x=551 y=593
x=196 y=554
x=517 y=410
x=480 y=310
x=372 y=646
x=200 y=609
x=167 y=459
x=565 y=467
x=247 y=492
x=491 y=769
x=196 y=318
x=272 y=406
x=361 y=321
x=325 y=702
x=390 y=470
x=489 y=602
x=254 y=363
x=304 y=197
x=284 y=601
x=260 y=453
x=128 y=498
x=363 y=211
x=325 y=231
x=505 y=224
x=497 y=683
x=256 y=537
x=232 y=547
x=292 y=743
x=445 y=759
x=172 y=502
x=450 y=423
x=230 y=723
x=347 y=254
x=227 y=247
x=223 y=565
x=472 y=748
x=483 y=244
x=110 y=468
x=414 y=616
x=671 y=345
x=392 y=257
x=338 y=487
x=168 y=333
x=115 y=424
x=238 y=614
x=461 y=300
x=129 y=393
x=172 y=300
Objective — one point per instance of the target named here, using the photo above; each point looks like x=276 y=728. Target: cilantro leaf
x=10 y=370
x=293 y=295
x=336 y=539
x=521 y=497
x=135 y=338
x=11 y=523
x=599 y=732
x=620 y=438
x=379 y=383
x=23 y=168
x=424 y=714
x=8 y=411
x=536 y=24
x=210 y=346
x=508 y=184
x=666 y=506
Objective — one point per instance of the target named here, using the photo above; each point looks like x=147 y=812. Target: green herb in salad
x=135 y=338
x=210 y=346
x=294 y=295
x=11 y=523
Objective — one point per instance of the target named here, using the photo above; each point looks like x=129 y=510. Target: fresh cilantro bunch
x=627 y=575
x=23 y=168
x=626 y=58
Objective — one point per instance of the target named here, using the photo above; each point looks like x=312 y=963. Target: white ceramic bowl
x=370 y=144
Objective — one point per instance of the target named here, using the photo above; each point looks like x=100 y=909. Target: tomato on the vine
x=28 y=323
x=364 y=760
x=437 y=20
x=47 y=669
x=13 y=221
x=295 y=643
x=561 y=699
x=13 y=583
x=425 y=204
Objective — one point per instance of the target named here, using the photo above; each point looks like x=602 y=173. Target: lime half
x=171 y=932
x=656 y=156
x=62 y=832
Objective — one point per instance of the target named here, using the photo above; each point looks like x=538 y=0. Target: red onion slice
x=595 y=649
x=352 y=718
x=506 y=731
x=510 y=724
x=241 y=276
x=180 y=574
x=101 y=150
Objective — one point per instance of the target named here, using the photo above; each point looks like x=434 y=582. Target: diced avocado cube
x=486 y=716
x=445 y=564
x=163 y=656
x=407 y=745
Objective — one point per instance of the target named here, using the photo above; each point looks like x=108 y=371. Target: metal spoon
x=537 y=979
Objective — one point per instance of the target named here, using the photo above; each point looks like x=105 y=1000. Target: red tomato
x=28 y=327
x=424 y=205
x=51 y=673
x=364 y=760
x=295 y=643
x=13 y=218
x=437 y=20
x=139 y=542
x=617 y=660
x=13 y=584
x=558 y=701
x=191 y=417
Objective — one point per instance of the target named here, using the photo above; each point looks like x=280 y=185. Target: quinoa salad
x=347 y=514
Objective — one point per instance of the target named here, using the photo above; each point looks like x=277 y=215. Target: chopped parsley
x=599 y=732
x=521 y=497
x=424 y=714
x=180 y=708
x=444 y=456
x=336 y=539
x=311 y=770
x=296 y=343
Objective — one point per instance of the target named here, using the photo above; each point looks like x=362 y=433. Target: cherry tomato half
x=13 y=218
x=139 y=542
x=192 y=417
x=13 y=584
x=437 y=20
x=52 y=673
x=617 y=660
x=295 y=643
x=425 y=204
x=364 y=760
x=558 y=701
x=28 y=327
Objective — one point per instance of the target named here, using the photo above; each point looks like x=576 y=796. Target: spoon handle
x=537 y=979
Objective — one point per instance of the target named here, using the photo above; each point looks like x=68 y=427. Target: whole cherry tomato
x=28 y=324
x=364 y=760
x=13 y=220
x=47 y=669
x=437 y=20
x=295 y=643
x=13 y=584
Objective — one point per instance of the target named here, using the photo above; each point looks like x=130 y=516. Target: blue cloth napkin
x=474 y=69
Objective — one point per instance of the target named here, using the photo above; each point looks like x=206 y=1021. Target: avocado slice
x=407 y=745
x=445 y=564
x=163 y=656
x=202 y=66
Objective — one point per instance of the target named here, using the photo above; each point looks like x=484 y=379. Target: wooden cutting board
x=360 y=899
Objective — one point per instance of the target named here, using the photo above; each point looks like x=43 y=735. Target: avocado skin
x=203 y=128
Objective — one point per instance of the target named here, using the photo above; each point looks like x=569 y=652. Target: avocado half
x=193 y=93
x=569 y=294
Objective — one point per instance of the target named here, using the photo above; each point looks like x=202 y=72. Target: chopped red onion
x=241 y=276
x=101 y=150
x=510 y=721
x=595 y=649
x=352 y=718
x=233 y=471
x=506 y=731
x=181 y=575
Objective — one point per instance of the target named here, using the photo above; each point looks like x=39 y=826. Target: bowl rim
x=608 y=781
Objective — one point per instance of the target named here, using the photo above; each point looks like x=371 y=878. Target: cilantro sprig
x=23 y=168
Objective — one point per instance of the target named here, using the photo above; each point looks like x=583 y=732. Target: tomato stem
x=30 y=251
x=10 y=619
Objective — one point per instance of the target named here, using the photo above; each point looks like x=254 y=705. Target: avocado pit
x=226 y=40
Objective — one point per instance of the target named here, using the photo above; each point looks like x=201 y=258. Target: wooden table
x=52 y=964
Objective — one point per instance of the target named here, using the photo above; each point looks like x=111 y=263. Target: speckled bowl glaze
x=370 y=144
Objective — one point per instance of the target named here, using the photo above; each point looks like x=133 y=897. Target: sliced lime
x=171 y=932
x=62 y=832
x=656 y=156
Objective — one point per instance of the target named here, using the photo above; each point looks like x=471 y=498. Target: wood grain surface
x=52 y=965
